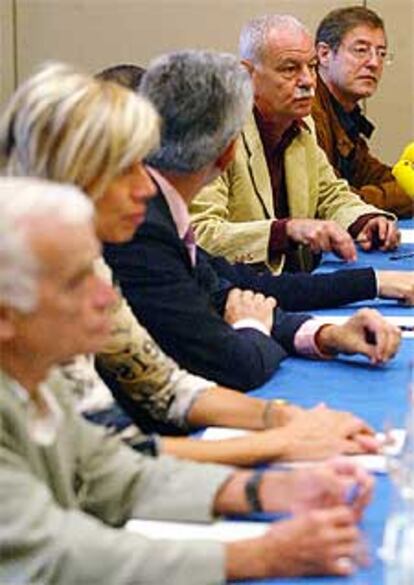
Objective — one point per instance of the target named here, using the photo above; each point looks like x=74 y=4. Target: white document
x=221 y=530
x=407 y=236
x=378 y=463
x=374 y=463
x=220 y=433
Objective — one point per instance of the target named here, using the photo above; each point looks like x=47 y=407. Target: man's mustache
x=304 y=92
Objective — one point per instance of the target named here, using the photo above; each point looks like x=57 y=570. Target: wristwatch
x=251 y=490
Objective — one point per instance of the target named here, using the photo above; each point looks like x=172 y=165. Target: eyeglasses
x=364 y=52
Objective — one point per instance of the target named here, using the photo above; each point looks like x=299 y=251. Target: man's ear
x=227 y=156
x=323 y=52
x=248 y=65
x=7 y=329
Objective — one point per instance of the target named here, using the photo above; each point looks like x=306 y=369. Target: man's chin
x=303 y=108
x=97 y=338
x=366 y=89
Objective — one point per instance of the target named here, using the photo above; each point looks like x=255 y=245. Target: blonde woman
x=66 y=126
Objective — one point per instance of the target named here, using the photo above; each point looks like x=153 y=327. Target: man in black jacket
x=217 y=320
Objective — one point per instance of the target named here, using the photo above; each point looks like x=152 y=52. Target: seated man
x=280 y=191
x=352 y=49
x=66 y=489
x=199 y=315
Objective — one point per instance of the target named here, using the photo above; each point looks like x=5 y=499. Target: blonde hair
x=70 y=127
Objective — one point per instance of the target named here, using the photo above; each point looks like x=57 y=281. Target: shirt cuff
x=305 y=340
x=279 y=241
x=188 y=388
x=376 y=279
x=251 y=323
x=360 y=222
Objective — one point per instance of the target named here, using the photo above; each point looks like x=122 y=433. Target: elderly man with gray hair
x=66 y=488
x=217 y=320
x=281 y=192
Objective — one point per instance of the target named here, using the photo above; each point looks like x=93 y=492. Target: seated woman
x=69 y=127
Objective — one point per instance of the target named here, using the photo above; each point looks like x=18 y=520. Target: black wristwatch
x=251 y=490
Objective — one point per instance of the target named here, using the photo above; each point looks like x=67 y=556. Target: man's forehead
x=364 y=33
x=291 y=43
x=64 y=246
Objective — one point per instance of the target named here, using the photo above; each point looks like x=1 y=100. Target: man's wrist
x=385 y=284
x=326 y=340
x=252 y=491
x=274 y=413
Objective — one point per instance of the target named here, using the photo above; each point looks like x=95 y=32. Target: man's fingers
x=374 y=336
x=357 y=426
x=364 y=238
x=369 y=443
x=352 y=447
x=382 y=229
x=343 y=246
x=393 y=237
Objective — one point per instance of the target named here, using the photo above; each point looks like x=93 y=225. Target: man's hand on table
x=318 y=542
x=396 y=285
x=322 y=537
x=366 y=332
x=337 y=483
x=379 y=232
x=322 y=236
x=246 y=304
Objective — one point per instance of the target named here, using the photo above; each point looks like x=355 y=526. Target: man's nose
x=374 y=59
x=307 y=77
x=104 y=294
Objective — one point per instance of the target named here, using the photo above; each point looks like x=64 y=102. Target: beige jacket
x=62 y=505
x=232 y=216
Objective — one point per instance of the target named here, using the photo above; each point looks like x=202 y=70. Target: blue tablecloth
x=376 y=393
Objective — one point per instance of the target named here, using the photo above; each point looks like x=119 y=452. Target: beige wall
x=393 y=104
x=7 y=53
x=96 y=33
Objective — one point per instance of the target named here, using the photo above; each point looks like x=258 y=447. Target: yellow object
x=408 y=153
x=403 y=172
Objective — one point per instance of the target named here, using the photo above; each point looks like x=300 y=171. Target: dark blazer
x=182 y=306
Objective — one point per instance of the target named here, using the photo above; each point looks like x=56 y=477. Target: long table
x=376 y=393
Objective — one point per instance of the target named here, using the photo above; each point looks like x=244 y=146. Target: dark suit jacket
x=182 y=306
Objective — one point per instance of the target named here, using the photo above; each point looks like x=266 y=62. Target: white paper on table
x=407 y=236
x=376 y=463
x=398 y=320
x=220 y=433
x=221 y=530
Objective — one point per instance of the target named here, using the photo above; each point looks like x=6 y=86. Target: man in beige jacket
x=66 y=489
x=280 y=192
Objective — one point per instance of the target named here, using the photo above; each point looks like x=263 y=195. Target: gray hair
x=64 y=125
x=21 y=201
x=254 y=34
x=203 y=99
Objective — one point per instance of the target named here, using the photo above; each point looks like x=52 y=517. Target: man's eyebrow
x=296 y=61
x=367 y=42
x=80 y=274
